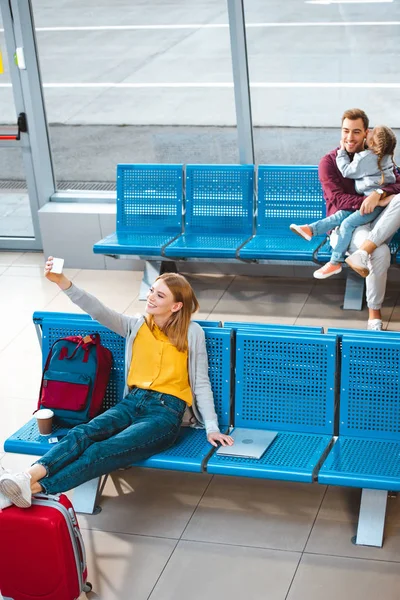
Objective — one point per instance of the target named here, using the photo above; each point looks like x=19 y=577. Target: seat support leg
x=152 y=269
x=85 y=495
x=354 y=293
x=371 y=521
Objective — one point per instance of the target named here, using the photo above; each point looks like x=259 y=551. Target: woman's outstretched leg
x=155 y=419
x=155 y=430
x=19 y=487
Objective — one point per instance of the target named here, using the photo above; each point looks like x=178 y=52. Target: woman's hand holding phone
x=59 y=278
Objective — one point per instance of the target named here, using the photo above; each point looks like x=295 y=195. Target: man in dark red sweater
x=369 y=242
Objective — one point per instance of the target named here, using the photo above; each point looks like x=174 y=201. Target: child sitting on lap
x=370 y=169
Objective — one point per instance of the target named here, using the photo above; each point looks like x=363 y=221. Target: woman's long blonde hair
x=177 y=325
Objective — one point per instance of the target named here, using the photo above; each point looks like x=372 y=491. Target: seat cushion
x=205 y=246
x=146 y=244
x=284 y=247
x=187 y=454
x=27 y=440
x=363 y=463
x=291 y=457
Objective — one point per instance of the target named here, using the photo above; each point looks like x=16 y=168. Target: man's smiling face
x=353 y=135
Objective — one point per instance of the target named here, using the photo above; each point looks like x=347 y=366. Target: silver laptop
x=249 y=443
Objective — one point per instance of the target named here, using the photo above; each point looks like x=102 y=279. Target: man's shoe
x=303 y=231
x=358 y=261
x=374 y=325
x=327 y=271
x=17 y=488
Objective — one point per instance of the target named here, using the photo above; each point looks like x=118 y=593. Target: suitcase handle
x=79 y=539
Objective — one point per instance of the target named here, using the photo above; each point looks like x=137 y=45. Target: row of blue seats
x=296 y=380
x=215 y=212
x=220 y=212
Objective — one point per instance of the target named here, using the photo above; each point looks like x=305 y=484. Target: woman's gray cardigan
x=127 y=327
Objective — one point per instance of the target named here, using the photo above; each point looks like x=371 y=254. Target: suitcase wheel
x=87 y=587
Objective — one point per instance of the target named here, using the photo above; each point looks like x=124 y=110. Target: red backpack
x=75 y=378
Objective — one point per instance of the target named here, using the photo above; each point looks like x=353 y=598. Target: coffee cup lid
x=44 y=413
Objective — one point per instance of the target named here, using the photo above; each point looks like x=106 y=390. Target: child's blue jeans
x=144 y=423
x=348 y=221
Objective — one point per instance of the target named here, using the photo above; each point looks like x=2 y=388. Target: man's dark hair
x=356 y=113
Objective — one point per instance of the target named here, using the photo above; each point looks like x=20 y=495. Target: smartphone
x=57 y=267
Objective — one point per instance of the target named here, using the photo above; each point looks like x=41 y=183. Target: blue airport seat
x=367 y=451
x=133 y=244
x=325 y=252
x=203 y=323
x=38 y=317
x=54 y=326
x=271 y=326
x=291 y=457
x=219 y=212
x=286 y=195
x=149 y=210
x=377 y=335
x=363 y=463
x=284 y=383
x=192 y=447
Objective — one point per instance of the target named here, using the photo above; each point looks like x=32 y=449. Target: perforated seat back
x=278 y=326
x=288 y=194
x=285 y=382
x=219 y=199
x=370 y=388
x=149 y=198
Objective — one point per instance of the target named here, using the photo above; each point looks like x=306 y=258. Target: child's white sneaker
x=17 y=488
x=358 y=261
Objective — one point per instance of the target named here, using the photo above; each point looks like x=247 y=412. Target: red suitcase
x=41 y=551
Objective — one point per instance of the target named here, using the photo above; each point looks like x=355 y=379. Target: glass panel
x=142 y=82
x=309 y=61
x=15 y=210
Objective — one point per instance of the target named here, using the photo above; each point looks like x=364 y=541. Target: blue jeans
x=348 y=221
x=142 y=424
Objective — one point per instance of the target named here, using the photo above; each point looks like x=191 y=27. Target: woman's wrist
x=211 y=426
x=64 y=283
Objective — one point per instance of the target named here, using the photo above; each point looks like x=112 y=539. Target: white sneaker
x=17 y=488
x=358 y=261
x=4 y=501
x=374 y=325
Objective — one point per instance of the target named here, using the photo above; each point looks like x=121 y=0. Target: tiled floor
x=172 y=536
x=15 y=214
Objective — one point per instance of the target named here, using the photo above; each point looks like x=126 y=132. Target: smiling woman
x=167 y=370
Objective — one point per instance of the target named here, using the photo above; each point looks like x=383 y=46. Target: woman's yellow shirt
x=158 y=365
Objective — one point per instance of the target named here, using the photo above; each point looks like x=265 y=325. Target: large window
x=15 y=211
x=310 y=60
x=136 y=82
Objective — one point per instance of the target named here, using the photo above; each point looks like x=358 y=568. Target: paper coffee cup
x=44 y=418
